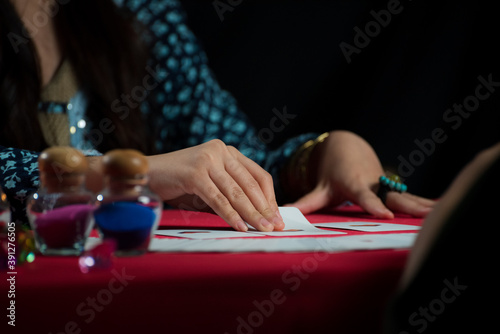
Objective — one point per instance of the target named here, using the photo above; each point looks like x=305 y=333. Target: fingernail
x=279 y=214
x=387 y=214
x=265 y=224
x=242 y=226
x=424 y=211
x=278 y=222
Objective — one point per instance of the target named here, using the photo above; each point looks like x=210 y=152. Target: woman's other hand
x=348 y=170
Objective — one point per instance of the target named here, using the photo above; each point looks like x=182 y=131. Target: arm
x=188 y=108
x=20 y=177
x=19 y=170
x=187 y=111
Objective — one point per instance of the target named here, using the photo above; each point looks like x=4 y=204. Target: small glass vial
x=128 y=211
x=60 y=212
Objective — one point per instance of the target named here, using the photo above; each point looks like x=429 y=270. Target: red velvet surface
x=210 y=292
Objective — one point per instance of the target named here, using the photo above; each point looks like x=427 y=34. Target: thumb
x=313 y=201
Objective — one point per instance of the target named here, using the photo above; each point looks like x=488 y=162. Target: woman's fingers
x=372 y=204
x=233 y=186
x=233 y=203
x=236 y=189
x=258 y=185
x=395 y=202
x=221 y=205
x=408 y=203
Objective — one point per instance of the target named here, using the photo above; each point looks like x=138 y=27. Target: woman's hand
x=233 y=186
x=349 y=170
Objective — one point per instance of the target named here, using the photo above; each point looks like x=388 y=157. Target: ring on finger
x=387 y=184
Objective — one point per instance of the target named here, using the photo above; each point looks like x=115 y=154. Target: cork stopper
x=62 y=167
x=125 y=163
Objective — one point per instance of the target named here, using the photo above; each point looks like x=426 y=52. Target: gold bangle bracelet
x=297 y=168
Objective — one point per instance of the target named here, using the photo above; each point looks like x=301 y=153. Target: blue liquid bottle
x=128 y=211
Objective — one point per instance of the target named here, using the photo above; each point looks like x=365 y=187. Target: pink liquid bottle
x=60 y=212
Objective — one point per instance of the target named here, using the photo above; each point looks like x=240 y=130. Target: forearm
x=19 y=179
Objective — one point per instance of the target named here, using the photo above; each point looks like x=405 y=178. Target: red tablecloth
x=211 y=292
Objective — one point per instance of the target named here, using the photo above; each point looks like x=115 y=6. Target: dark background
x=395 y=91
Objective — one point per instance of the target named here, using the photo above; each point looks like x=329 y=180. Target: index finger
x=266 y=184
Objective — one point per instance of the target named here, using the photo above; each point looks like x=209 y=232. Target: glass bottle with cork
x=128 y=211
x=60 y=212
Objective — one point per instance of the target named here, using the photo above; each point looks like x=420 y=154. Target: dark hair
x=103 y=44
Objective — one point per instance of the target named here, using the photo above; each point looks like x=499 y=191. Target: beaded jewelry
x=392 y=183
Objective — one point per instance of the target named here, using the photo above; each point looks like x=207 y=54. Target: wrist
x=153 y=162
x=314 y=162
x=300 y=175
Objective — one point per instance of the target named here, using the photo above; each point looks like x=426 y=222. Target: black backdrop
x=396 y=89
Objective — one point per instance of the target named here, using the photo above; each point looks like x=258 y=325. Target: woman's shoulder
x=162 y=18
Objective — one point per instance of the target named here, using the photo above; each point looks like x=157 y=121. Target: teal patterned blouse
x=183 y=97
